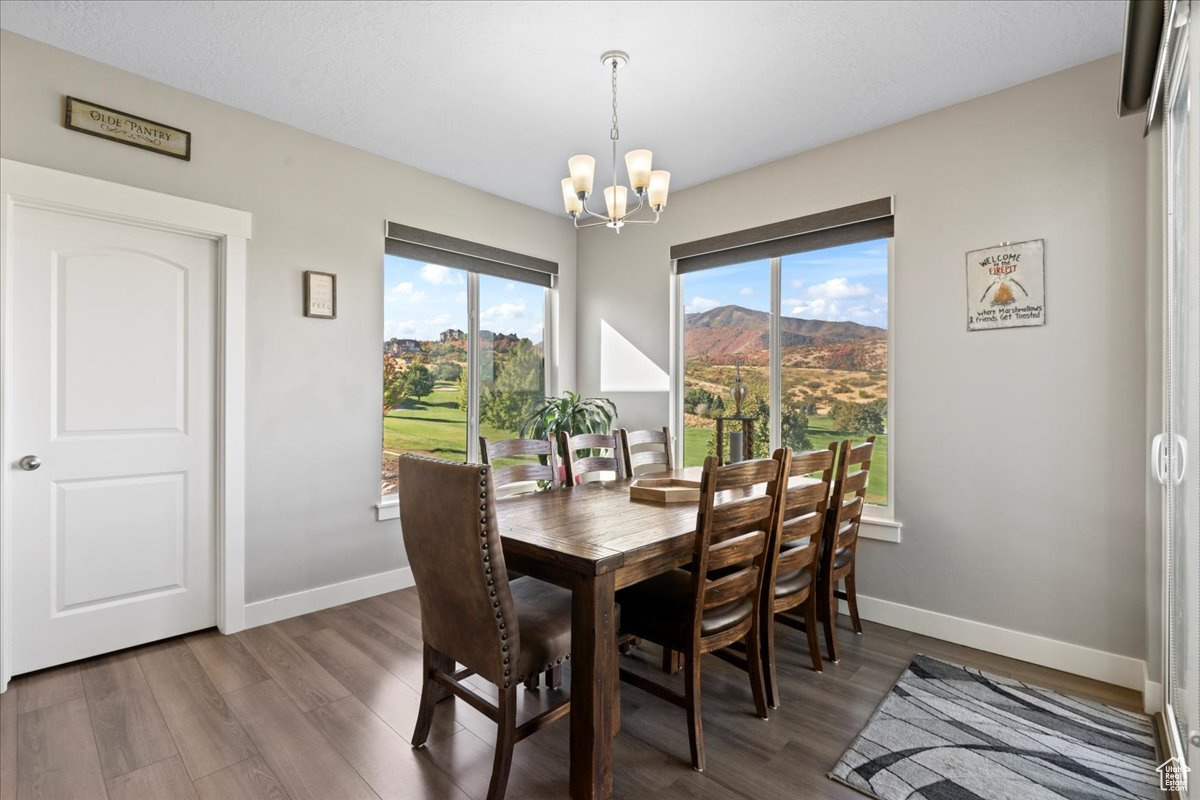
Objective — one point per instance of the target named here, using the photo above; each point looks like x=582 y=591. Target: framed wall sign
x=320 y=294
x=1006 y=286
x=108 y=123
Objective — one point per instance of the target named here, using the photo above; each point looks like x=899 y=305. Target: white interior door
x=113 y=401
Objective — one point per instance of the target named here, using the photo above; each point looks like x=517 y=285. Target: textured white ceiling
x=499 y=95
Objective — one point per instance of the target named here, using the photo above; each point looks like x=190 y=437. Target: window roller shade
x=856 y=223
x=447 y=251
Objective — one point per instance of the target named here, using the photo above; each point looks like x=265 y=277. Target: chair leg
x=429 y=693
x=768 y=656
x=531 y=681
x=691 y=686
x=810 y=629
x=672 y=661
x=506 y=737
x=852 y=602
x=755 y=667
x=554 y=678
x=829 y=612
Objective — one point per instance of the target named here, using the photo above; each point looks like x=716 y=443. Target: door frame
x=32 y=186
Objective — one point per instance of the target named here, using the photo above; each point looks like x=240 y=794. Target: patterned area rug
x=946 y=732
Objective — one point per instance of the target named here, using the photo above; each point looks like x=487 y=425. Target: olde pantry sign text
x=1006 y=286
x=109 y=123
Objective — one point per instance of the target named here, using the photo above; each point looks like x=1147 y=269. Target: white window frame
x=879 y=522
x=388 y=506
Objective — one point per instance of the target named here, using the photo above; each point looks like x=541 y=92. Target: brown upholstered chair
x=470 y=612
x=793 y=571
x=520 y=478
x=655 y=451
x=578 y=469
x=715 y=602
x=840 y=546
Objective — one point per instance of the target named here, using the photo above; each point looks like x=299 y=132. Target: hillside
x=733 y=331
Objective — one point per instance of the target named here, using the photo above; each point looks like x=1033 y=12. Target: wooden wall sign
x=320 y=294
x=1006 y=286
x=108 y=123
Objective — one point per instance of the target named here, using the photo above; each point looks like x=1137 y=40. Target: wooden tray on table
x=665 y=490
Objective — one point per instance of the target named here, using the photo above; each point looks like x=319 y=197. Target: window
x=807 y=328
x=464 y=351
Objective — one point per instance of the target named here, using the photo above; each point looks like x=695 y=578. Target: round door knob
x=30 y=463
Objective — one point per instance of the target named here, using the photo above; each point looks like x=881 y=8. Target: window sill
x=880 y=528
x=387 y=508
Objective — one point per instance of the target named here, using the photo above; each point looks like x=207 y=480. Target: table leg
x=593 y=687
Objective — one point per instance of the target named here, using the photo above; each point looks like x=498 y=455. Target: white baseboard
x=1078 y=660
x=1152 y=695
x=286 y=606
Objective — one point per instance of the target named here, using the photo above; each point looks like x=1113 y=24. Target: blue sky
x=422 y=300
x=839 y=283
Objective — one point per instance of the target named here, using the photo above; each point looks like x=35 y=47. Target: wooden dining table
x=593 y=539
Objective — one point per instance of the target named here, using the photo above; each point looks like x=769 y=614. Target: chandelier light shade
x=648 y=185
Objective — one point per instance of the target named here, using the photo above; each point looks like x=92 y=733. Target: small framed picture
x=320 y=294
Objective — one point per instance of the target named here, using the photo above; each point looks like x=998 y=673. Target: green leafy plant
x=571 y=414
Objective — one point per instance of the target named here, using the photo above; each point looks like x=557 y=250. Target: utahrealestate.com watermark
x=1172 y=775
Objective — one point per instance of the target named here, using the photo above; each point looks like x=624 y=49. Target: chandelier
x=649 y=186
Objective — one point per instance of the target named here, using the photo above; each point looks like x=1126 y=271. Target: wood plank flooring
x=322 y=706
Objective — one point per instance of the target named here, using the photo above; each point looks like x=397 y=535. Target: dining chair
x=794 y=568
x=715 y=601
x=840 y=546
x=578 y=469
x=521 y=478
x=655 y=451
x=471 y=613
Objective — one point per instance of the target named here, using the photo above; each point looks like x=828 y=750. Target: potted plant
x=571 y=414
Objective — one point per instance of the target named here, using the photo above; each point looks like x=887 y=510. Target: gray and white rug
x=946 y=732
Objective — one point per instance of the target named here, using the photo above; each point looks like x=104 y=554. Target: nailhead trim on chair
x=483 y=548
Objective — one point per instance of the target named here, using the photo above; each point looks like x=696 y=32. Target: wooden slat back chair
x=654 y=452
x=715 y=602
x=578 y=469
x=793 y=572
x=840 y=546
x=520 y=478
x=471 y=613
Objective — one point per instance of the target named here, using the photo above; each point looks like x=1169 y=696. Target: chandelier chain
x=614 y=134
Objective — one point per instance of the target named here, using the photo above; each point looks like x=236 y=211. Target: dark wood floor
x=321 y=707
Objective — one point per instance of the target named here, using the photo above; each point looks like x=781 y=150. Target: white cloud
x=701 y=304
x=508 y=287
x=501 y=315
x=746 y=291
x=406 y=291
x=838 y=288
x=440 y=276
x=402 y=330
x=798 y=283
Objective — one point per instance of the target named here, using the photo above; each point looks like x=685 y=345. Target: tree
x=857 y=417
x=516 y=389
x=393 y=383
x=461 y=393
x=448 y=371
x=418 y=381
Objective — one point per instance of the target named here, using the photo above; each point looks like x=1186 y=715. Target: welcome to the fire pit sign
x=1006 y=286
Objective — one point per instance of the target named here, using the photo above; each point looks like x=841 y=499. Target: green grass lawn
x=820 y=432
x=433 y=426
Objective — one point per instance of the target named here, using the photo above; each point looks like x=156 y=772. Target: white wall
x=313 y=386
x=1018 y=454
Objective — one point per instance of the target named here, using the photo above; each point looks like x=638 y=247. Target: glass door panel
x=512 y=363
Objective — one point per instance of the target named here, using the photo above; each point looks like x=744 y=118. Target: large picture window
x=809 y=333
x=464 y=355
